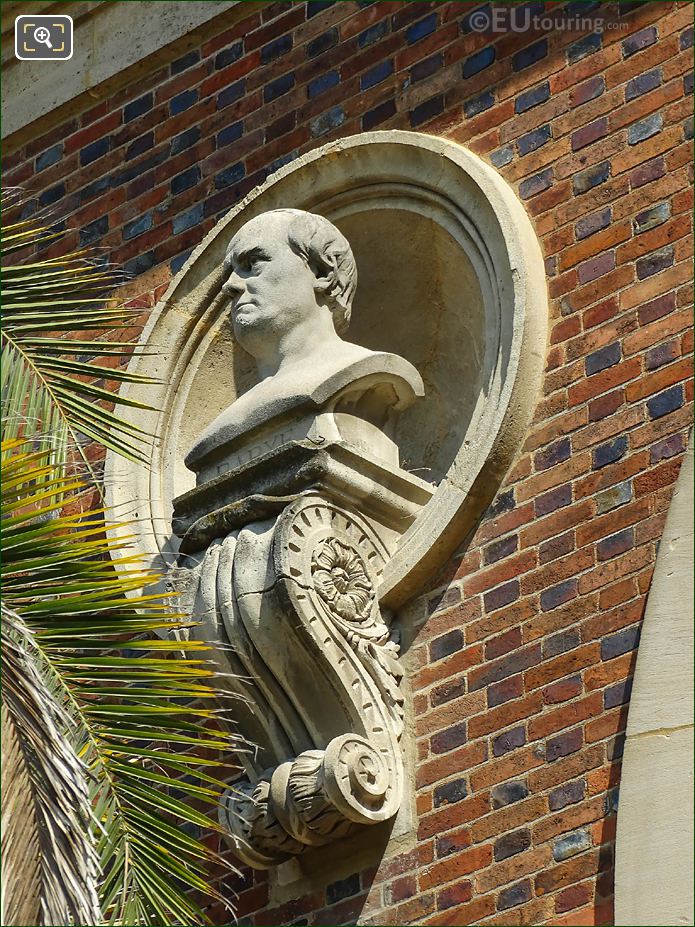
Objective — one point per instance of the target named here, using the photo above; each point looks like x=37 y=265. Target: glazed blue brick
x=449 y=738
x=314 y=7
x=90 y=233
x=478 y=62
x=643 y=83
x=666 y=448
x=278 y=87
x=688 y=127
x=619 y=694
x=688 y=84
x=185 y=180
x=229 y=55
x=501 y=596
x=426 y=68
x=379 y=114
x=536 y=184
x=564 y=847
x=323 y=83
x=650 y=218
x=376 y=74
x=579 y=7
x=446 y=644
x=138 y=107
x=553 y=500
x=686 y=39
x=528 y=56
x=276 y=48
x=589 y=225
x=613 y=497
x=281 y=162
x=450 y=792
x=52 y=195
x=51 y=156
x=502 y=156
x=639 y=41
x=508 y=793
x=478 y=105
x=29 y=209
x=475 y=18
x=622 y=642
x=508 y=741
x=184 y=63
x=186 y=220
x=344 y=888
x=655 y=262
x=182 y=101
x=230 y=175
x=533 y=140
x=660 y=355
x=502 y=548
x=322 y=43
x=558 y=595
x=427 y=110
x=185 y=140
x=94 y=189
x=616 y=544
x=373 y=34
x=591 y=177
x=609 y=452
x=514 y=895
x=230 y=134
x=139 y=146
x=585 y=46
x=568 y=794
x=531 y=98
x=324 y=123
x=94 y=151
x=141 y=224
x=177 y=263
x=421 y=29
x=553 y=455
x=560 y=643
x=645 y=128
x=663 y=403
x=231 y=94
x=504 y=502
x=603 y=358
x=139 y=264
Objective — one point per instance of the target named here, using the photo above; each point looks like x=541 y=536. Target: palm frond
x=140 y=710
x=50 y=864
x=49 y=384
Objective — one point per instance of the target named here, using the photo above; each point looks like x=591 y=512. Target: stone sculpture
x=299 y=503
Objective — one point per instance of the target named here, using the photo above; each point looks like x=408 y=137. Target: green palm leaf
x=140 y=711
x=48 y=387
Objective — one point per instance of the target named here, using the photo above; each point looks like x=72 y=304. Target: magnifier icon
x=43 y=36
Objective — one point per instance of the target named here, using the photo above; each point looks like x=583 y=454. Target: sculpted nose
x=234 y=286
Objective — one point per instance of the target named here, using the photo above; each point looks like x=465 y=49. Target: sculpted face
x=271 y=288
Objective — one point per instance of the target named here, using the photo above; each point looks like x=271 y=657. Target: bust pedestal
x=282 y=544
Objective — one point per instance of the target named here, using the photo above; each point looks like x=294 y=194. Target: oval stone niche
x=450 y=276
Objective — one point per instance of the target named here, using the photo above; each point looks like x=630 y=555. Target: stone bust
x=290 y=277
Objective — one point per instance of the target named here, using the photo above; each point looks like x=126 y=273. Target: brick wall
x=522 y=664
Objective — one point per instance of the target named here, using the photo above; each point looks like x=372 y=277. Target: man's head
x=282 y=266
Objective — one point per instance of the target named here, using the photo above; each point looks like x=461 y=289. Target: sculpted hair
x=328 y=254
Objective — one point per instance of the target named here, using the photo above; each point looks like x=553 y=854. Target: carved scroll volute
x=327 y=561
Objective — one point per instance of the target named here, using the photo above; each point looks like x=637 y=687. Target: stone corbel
x=287 y=586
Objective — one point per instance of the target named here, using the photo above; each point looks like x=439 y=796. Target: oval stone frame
x=451 y=276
